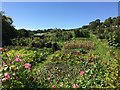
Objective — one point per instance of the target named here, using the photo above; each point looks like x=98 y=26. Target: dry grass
x=79 y=44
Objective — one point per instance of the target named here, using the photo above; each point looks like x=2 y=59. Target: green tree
x=8 y=30
x=108 y=22
x=22 y=33
x=92 y=25
x=117 y=21
x=76 y=32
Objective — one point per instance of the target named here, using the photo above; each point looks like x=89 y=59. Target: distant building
x=40 y=35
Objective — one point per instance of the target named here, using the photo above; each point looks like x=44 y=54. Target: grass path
x=101 y=48
x=108 y=60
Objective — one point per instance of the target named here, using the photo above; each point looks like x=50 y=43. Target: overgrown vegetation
x=86 y=57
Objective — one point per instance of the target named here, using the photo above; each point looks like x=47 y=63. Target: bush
x=48 y=45
x=55 y=47
x=82 y=33
x=101 y=36
x=41 y=55
x=67 y=36
x=38 y=44
x=17 y=65
x=17 y=70
x=76 y=32
x=117 y=37
x=21 y=41
x=114 y=38
x=63 y=35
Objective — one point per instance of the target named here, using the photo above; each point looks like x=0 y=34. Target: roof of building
x=39 y=34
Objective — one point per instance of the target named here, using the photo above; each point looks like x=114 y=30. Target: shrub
x=63 y=35
x=38 y=44
x=67 y=36
x=16 y=71
x=55 y=47
x=82 y=33
x=48 y=45
x=114 y=38
x=76 y=32
x=117 y=37
x=21 y=41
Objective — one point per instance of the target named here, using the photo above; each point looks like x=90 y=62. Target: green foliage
x=82 y=33
x=114 y=38
x=117 y=21
x=67 y=69
x=22 y=33
x=82 y=62
x=14 y=73
x=64 y=35
x=101 y=36
x=94 y=25
x=8 y=30
x=21 y=41
x=48 y=45
x=117 y=37
x=88 y=65
x=55 y=47
x=108 y=22
x=110 y=63
x=76 y=32
x=38 y=44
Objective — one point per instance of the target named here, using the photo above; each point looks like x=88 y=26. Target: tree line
x=109 y=29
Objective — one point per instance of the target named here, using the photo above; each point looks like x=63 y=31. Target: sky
x=64 y=15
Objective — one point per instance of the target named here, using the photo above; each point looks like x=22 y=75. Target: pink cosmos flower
x=82 y=72
x=7 y=75
x=53 y=86
x=75 y=86
x=94 y=76
x=27 y=66
x=18 y=59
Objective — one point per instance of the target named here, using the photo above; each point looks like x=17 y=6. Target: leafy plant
x=82 y=33
x=16 y=71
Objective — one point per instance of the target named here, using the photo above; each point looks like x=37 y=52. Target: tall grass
x=76 y=44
